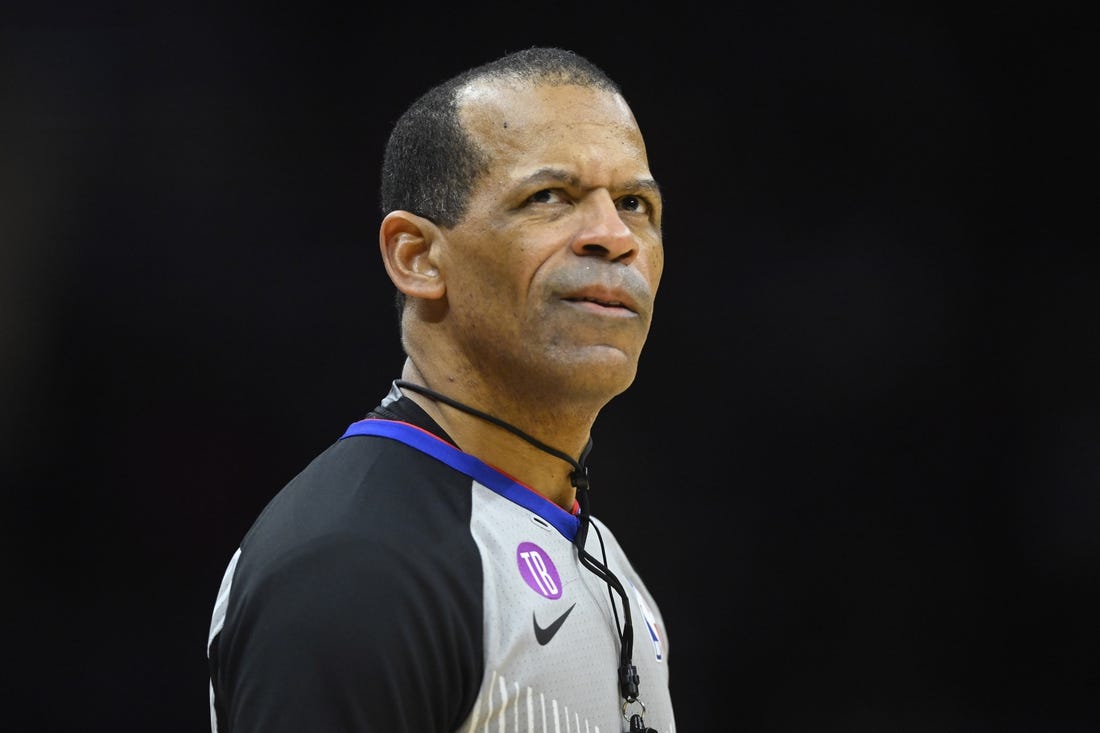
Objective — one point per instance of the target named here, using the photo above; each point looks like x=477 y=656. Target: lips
x=604 y=298
x=599 y=301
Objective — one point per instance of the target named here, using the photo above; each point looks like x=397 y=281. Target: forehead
x=523 y=126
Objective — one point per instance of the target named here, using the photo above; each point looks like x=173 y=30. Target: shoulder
x=370 y=529
x=362 y=488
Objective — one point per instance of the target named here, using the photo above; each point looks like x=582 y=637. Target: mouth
x=603 y=302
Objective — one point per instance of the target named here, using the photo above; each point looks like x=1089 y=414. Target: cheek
x=487 y=288
x=509 y=270
x=655 y=266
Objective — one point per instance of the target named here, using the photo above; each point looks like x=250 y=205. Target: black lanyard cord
x=628 y=673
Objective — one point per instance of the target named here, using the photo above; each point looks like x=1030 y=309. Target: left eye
x=634 y=204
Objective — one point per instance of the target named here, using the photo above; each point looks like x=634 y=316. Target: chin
x=605 y=376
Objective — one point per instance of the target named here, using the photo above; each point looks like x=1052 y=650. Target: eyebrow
x=559 y=175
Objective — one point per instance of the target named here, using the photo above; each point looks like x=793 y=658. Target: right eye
x=546 y=196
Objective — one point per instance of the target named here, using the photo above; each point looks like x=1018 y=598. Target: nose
x=604 y=233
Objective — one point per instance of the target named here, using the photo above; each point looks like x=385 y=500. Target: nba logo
x=651 y=625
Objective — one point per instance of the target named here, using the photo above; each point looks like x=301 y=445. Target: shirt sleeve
x=349 y=635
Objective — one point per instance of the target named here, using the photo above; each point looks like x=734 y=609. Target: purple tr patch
x=537 y=570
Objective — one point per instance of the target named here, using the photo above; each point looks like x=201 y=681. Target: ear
x=409 y=245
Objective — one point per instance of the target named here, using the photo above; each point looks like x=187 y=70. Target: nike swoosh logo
x=543 y=636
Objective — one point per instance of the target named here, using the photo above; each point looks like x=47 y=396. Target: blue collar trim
x=567 y=524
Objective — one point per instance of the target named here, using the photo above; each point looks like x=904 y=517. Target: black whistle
x=628 y=682
x=637 y=725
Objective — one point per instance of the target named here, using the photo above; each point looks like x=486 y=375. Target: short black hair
x=430 y=163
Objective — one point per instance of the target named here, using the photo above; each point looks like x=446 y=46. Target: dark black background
x=859 y=467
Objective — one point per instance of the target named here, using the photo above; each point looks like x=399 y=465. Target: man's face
x=552 y=274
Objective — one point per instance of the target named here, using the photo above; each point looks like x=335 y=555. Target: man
x=436 y=568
